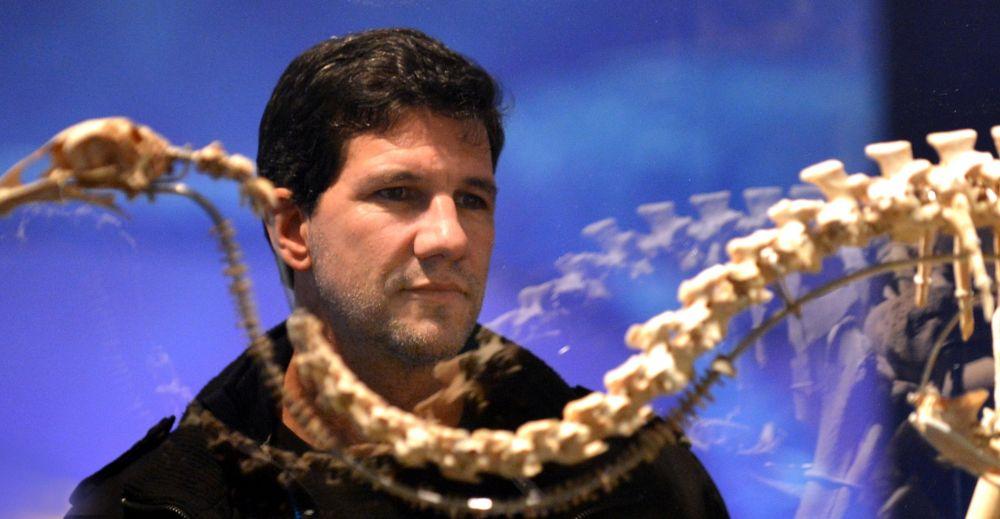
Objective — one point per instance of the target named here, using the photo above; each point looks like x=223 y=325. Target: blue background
x=112 y=322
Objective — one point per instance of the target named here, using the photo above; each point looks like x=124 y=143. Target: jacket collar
x=238 y=397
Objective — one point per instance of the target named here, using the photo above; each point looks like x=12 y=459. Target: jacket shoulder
x=101 y=492
x=164 y=470
x=680 y=481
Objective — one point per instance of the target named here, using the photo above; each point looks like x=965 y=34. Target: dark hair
x=362 y=83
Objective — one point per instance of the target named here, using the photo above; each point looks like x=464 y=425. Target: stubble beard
x=362 y=321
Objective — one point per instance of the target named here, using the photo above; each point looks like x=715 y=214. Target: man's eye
x=470 y=201
x=396 y=194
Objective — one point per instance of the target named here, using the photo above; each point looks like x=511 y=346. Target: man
x=383 y=146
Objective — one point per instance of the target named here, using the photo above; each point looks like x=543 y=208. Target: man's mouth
x=437 y=286
x=437 y=290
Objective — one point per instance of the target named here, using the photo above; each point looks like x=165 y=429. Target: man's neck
x=401 y=383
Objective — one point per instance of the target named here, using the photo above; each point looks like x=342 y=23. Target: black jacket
x=185 y=474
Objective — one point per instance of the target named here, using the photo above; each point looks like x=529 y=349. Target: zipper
x=176 y=510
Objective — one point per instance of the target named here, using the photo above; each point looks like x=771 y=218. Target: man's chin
x=427 y=342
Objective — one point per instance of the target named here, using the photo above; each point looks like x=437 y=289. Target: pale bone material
x=912 y=201
x=950 y=425
x=985 y=501
x=892 y=158
x=957 y=149
x=116 y=153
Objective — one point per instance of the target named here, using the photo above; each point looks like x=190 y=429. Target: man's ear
x=288 y=231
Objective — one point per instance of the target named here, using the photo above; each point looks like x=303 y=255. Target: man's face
x=401 y=242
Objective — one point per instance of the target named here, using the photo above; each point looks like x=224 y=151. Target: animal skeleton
x=116 y=153
x=951 y=426
x=912 y=202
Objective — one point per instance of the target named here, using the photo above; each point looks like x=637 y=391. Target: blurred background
x=641 y=137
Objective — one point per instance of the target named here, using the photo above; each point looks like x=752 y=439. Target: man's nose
x=440 y=232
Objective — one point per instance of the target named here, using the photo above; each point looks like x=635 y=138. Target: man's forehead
x=421 y=125
x=425 y=142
